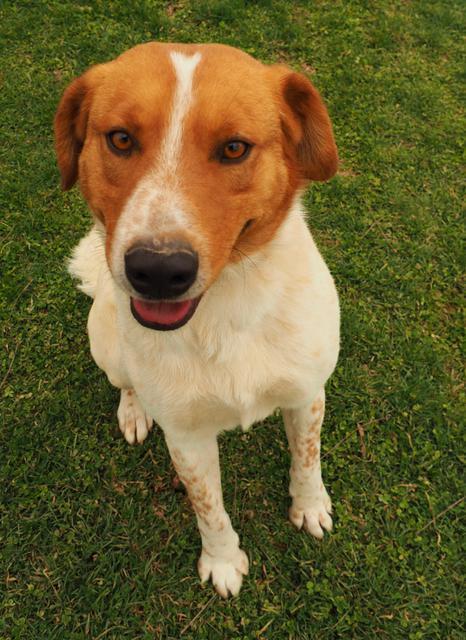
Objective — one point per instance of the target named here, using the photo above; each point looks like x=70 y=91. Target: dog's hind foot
x=134 y=422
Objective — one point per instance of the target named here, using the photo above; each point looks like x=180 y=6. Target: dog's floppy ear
x=70 y=126
x=306 y=126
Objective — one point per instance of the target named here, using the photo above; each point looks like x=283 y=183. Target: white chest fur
x=265 y=335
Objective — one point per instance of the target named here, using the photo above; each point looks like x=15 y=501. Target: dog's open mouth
x=162 y=315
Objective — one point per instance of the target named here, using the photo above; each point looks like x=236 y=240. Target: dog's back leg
x=311 y=506
x=134 y=422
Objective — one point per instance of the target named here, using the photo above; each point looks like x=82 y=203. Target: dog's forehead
x=159 y=57
x=218 y=78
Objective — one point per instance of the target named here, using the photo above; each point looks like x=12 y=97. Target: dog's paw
x=226 y=573
x=134 y=422
x=312 y=514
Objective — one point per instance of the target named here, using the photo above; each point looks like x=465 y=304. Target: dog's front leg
x=197 y=463
x=311 y=506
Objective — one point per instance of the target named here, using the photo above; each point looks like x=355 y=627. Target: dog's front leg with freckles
x=197 y=465
x=311 y=506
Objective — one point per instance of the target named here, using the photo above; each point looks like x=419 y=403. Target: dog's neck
x=239 y=302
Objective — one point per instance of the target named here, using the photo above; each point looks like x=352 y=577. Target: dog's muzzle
x=161 y=274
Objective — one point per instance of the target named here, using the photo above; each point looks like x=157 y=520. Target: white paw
x=227 y=573
x=134 y=422
x=312 y=513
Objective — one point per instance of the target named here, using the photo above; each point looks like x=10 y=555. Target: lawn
x=95 y=539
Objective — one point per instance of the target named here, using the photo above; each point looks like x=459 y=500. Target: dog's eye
x=235 y=150
x=120 y=142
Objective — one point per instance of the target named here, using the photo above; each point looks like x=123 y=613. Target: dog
x=212 y=306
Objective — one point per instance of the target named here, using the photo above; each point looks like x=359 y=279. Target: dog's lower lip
x=163 y=315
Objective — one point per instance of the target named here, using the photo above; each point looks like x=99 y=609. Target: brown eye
x=235 y=150
x=120 y=142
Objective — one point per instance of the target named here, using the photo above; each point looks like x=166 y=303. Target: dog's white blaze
x=157 y=201
x=184 y=68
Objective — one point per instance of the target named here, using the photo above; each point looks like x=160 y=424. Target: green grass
x=94 y=540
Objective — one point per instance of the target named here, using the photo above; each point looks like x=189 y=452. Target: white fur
x=184 y=68
x=265 y=335
x=87 y=259
x=134 y=423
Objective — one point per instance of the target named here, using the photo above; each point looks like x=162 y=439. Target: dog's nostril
x=180 y=278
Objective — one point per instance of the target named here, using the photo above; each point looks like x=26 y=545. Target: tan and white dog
x=212 y=305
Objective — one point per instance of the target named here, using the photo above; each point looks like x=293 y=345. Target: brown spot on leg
x=312 y=452
x=314 y=427
x=317 y=406
x=199 y=493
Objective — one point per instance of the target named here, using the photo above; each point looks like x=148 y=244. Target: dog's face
x=190 y=156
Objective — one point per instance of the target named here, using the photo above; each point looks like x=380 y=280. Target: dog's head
x=190 y=156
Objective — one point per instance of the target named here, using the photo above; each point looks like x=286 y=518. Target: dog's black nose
x=165 y=271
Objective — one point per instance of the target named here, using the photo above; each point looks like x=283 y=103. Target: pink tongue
x=162 y=312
